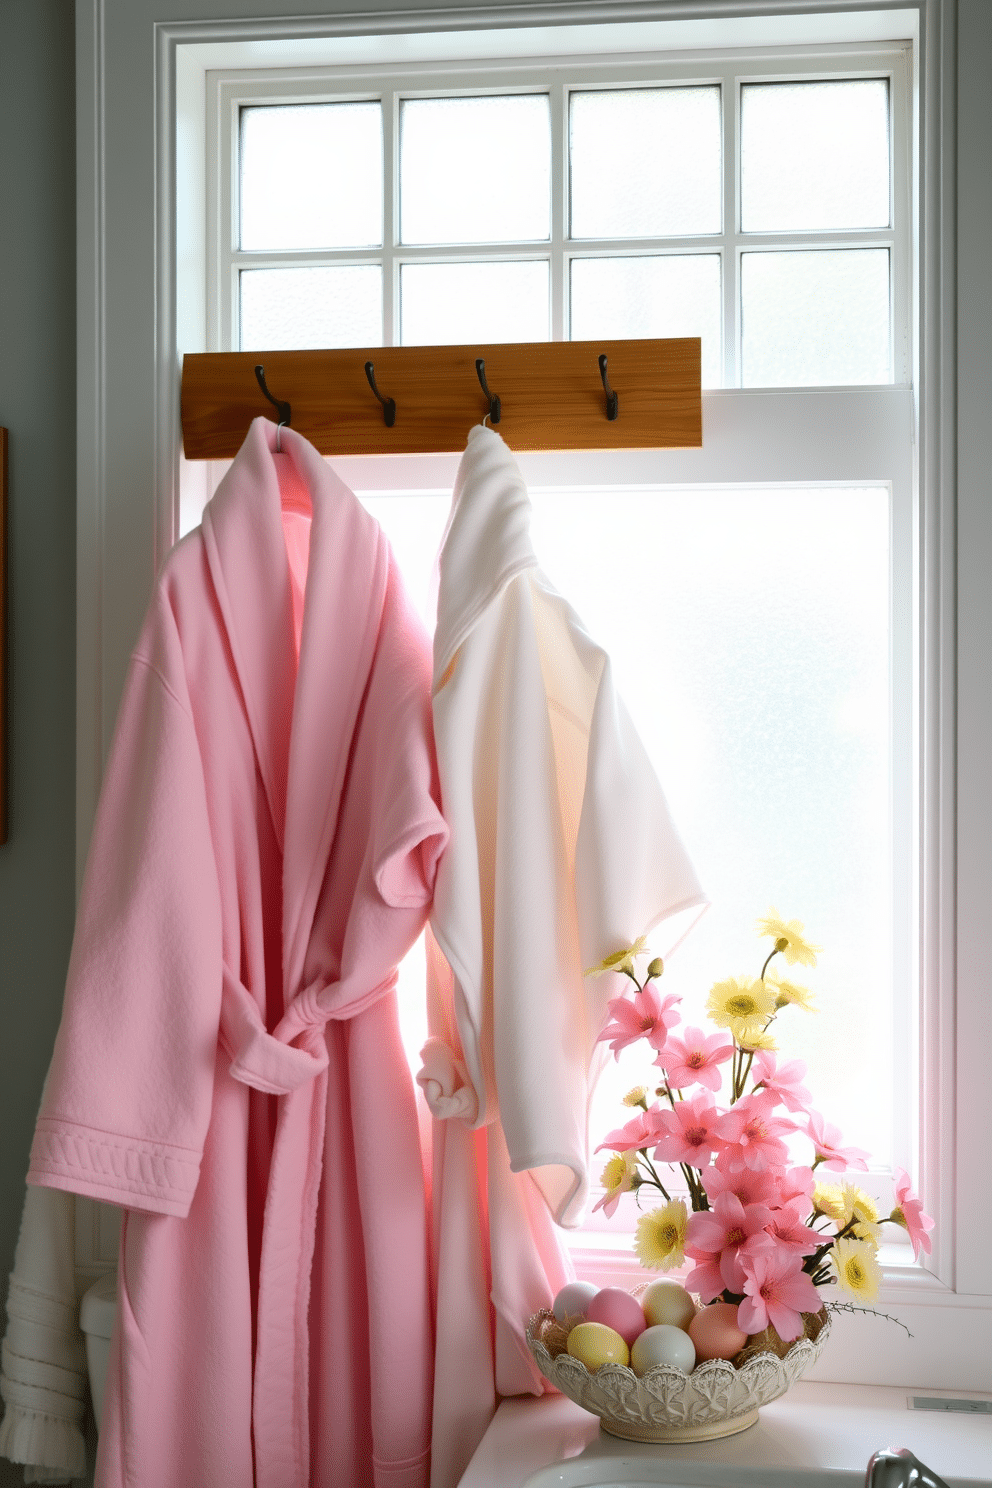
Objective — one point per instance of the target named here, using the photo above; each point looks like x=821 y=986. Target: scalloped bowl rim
x=762 y=1378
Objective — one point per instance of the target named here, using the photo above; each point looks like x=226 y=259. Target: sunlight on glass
x=444 y=304
x=751 y=645
x=287 y=308
x=815 y=318
x=814 y=155
x=749 y=634
x=645 y=162
x=311 y=176
x=475 y=170
x=657 y=296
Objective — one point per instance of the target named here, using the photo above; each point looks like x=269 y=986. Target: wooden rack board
x=552 y=396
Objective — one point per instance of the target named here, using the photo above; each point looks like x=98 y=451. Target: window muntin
x=707 y=198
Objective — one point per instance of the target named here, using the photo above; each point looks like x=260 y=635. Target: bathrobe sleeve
x=128 y=1098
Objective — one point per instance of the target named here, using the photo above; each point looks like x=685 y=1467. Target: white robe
x=562 y=851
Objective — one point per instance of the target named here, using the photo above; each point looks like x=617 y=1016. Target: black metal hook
x=283 y=409
x=388 y=404
x=612 y=401
x=495 y=406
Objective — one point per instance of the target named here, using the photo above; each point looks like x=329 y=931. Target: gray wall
x=37 y=406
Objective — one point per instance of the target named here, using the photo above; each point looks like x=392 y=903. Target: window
x=764 y=210
x=774 y=447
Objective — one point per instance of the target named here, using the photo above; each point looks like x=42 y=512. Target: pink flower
x=728 y=1230
x=777 y=1291
x=909 y=1212
x=640 y=1132
x=797 y=1183
x=693 y=1059
x=753 y=1134
x=705 y=1279
x=688 y=1134
x=645 y=1015
x=748 y=1186
x=826 y=1141
x=787 y=1227
x=784 y=1082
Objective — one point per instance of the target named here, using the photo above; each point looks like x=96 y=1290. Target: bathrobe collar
x=302 y=718
x=487 y=542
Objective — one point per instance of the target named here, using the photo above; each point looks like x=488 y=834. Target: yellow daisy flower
x=742 y=1004
x=661 y=1236
x=796 y=947
x=757 y=1038
x=862 y=1208
x=790 y=992
x=828 y=1198
x=622 y=960
x=637 y=1097
x=619 y=1171
x=858 y=1272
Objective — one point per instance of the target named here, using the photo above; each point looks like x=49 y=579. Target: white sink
x=818 y=1436
x=627 y=1472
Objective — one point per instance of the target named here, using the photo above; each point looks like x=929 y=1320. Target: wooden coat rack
x=552 y=395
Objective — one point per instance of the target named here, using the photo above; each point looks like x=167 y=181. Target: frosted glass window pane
x=645 y=162
x=658 y=296
x=283 y=309
x=475 y=170
x=815 y=319
x=814 y=155
x=760 y=686
x=311 y=176
x=445 y=304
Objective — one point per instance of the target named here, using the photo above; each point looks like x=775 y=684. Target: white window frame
x=136 y=97
x=230 y=91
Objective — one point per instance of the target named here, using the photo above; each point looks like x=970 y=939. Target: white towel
x=43 y=1376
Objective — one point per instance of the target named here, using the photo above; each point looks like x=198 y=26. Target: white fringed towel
x=43 y=1376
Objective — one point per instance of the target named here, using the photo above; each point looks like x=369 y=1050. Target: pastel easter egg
x=715 y=1333
x=618 y=1310
x=573 y=1299
x=667 y=1302
x=594 y=1344
x=663 y=1343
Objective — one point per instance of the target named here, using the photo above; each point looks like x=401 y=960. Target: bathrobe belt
x=295 y=1052
x=290 y=1062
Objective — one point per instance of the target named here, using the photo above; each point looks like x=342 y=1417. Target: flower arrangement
x=764 y=1234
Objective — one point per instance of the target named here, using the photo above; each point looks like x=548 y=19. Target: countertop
x=817 y=1434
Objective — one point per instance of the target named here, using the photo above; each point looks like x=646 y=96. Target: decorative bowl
x=718 y=1398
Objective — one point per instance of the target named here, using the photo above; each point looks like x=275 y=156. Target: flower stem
x=774 y=952
x=642 y=1154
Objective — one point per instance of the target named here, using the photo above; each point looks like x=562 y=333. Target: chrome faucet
x=896 y=1467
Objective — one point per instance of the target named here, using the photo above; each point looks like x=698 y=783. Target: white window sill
x=817 y=1436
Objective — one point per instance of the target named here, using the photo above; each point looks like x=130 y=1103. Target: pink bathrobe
x=228 y=1066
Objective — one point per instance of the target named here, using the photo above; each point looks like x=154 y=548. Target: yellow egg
x=594 y=1344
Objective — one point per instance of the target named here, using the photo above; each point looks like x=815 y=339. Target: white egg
x=573 y=1299
x=662 y=1344
x=667 y=1302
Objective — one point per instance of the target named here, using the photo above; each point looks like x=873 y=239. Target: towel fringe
x=54 y=1448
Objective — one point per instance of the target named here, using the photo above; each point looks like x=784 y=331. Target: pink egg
x=618 y=1310
x=715 y=1333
